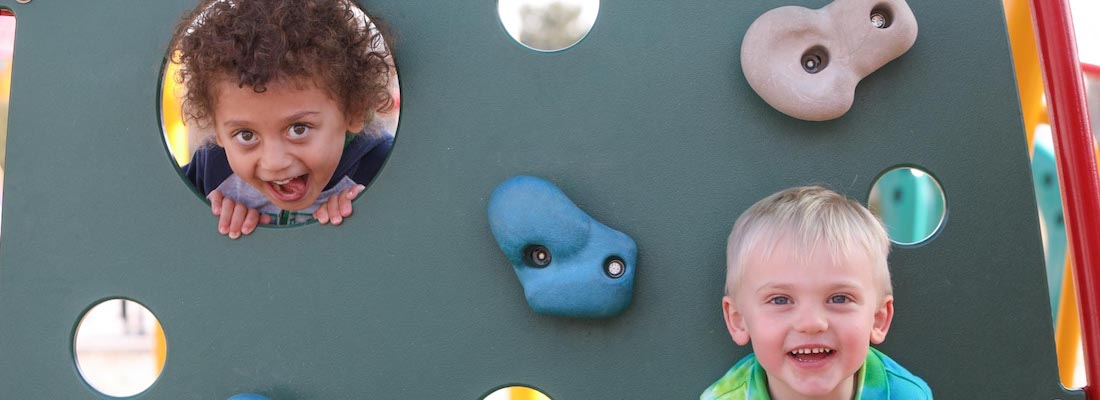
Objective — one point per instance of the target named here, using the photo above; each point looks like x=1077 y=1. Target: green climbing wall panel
x=648 y=124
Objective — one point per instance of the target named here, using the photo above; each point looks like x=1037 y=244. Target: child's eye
x=839 y=299
x=245 y=137
x=298 y=130
x=780 y=300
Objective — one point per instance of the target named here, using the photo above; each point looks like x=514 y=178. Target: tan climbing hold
x=806 y=63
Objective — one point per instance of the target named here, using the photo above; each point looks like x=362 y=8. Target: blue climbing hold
x=568 y=263
x=248 y=396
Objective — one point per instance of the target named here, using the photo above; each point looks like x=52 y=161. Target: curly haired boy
x=289 y=88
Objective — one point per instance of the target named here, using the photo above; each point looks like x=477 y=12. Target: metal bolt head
x=878 y=20
x=815 y=59
x=615 y=267
x=811 y=63
x=538 y=255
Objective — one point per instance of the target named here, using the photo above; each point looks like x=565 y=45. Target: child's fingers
x=250 y=221
x=215 y=198
x=333 y=204
x=321 y=214
x=265 y=219
x=345 y=203
x=354 y=192
x=239 y=213
x=224 y=218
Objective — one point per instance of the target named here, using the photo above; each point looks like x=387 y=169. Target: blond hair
x=809 y=216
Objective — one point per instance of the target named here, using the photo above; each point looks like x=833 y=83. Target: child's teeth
x=282 y=182
x=812 y=351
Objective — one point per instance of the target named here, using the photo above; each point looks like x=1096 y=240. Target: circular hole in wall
x=119 y=347
x=7 y=51
x=288 y=113
x=548 y=25
x=516 y=393
x=911 y=204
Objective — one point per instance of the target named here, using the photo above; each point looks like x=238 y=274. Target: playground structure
x=594 y=349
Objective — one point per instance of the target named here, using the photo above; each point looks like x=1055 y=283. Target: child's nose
x=275 y=157
x=811 y=320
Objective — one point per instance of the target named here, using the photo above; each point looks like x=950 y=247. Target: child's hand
x=337 y=207
x=234 y=218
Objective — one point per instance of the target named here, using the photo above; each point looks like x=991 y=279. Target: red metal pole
x=1091 y=69
x=1073 y=145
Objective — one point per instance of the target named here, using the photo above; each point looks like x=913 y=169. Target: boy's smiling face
x=286 y=141
x=787 y=306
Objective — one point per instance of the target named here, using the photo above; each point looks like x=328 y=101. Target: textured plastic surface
x=574 y=280
x=845 y=47
x=645 y=123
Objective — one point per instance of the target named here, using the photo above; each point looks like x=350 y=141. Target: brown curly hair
x=256 y=42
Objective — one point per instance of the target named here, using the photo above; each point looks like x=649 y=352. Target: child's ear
x=884 y=314
x=356 y=121
x=735 y=321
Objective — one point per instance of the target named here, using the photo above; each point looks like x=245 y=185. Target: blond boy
x=807 y=284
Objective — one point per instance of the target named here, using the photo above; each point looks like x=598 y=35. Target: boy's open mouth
x=292 y=189
x=812 y=354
